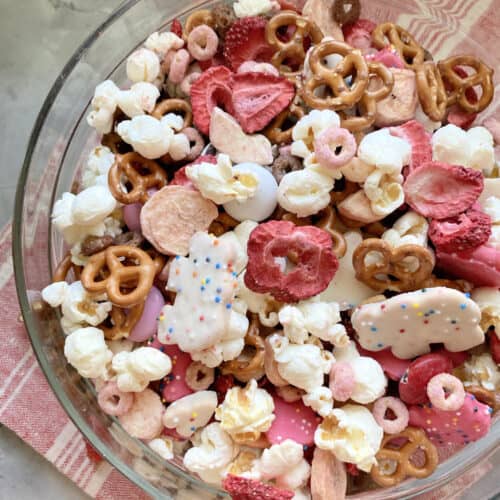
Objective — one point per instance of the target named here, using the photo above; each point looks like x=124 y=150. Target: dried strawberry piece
x=274 y=245
x=439 y=190
x=222 y=384
x=180 y=177
x=388 y=57
x=246 y=41
x=494 y=342
x=241 y=488
x=92 y=454
x=176 y=27
x=352 y=469
x=359 y=34
x=258 y=98
x=420 y=140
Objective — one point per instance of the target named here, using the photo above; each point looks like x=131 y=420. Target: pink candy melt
x=132 y=216
x=146 y=326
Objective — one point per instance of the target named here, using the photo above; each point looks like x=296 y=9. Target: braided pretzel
x=293 y=49
x=197 y=18
x=391 y=272
x=132 y=166
x=411 y=53
x=122 y=322
x=174 y=106
x=482 y=76
x=275 y=132
x=327 y=223
x=137 y=277
x=64 y=267
x=400 y=458
x=431 y=92
x=222 y=224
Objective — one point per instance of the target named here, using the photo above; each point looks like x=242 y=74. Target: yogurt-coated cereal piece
x=134 y=370
x=139 y=99
x=161 y=43
x=370 y=381
x=426 y=316
x=103 y=105
x=352 y=434
x=191 y=412
x=212 y=454
x=320 y=400
x=86 y=350
x=245 y=8
x=96 y=171
x=384 y=191
x=482 y=370
x=246 y=412
x=164 y=446
x=488 y=300
x=143 y=65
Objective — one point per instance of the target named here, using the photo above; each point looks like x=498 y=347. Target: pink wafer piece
x=342 y=381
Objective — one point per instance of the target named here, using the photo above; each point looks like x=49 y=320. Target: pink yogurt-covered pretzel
x=258 y=67
x=188 y=80
x=202 y=43
x=342 y=381
x=446 y=392
x=178 y=66
x=329 y=141
x=194 y=136
x=400 y=423
x=113 y=401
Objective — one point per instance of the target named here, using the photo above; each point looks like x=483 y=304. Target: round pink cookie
x=293 y=421
x=393 y=367
x=469 y=423
x=147 y=324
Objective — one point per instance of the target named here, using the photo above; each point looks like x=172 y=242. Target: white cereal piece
x=161 y=43
x=143 y=65
x=320 y=400
x=103 y=105
x=139 y=99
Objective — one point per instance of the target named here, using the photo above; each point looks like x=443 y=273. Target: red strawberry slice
x=246 y=41
x=180 y=177
x=258 y=98
x=494 y=342
x=359 y=34
x=439 y=190
x=212 y=88
x=420 y=140
x=241 y=488
x=176 y=27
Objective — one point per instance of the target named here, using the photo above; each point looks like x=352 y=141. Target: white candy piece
x=139 y=99
x=143 y=65
x=246 y=8
x=320 y=400
x=262 y=203
x=370 y=381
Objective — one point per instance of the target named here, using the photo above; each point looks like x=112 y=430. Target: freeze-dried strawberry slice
x=359 y=34
x=176 y=27
x=258 y=98
x=180 y=177
x=241 y=488
x=439 y=190
x=291 y=262
x=494 y=342
x=420 y=140
x=246 y=41
x=212 y=88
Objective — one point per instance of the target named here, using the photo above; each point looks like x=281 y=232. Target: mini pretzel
x=64 y=267
x=244 y=368
x=159 y=260
x=483 y=77
x=400 y=458
x=431 y=92
x=392 y=273
x=281 y=214
x=174 y=106
x=411 y=53
x=122 y=322
x=490 y=398
x=133 y=167
x=293 y=49
x=197 y=18
x=459 y=285
x=222 y=224
x=275 y=132
x=137 y=277
x=338 y=195
x=327 y=223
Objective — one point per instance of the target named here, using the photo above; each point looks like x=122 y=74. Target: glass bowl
x=59 y=143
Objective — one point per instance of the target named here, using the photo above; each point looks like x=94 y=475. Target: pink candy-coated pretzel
x=342 y=381
x=400 y=423
x=446 y=392
x=113 y=401
x=202 y=43
x=194 y=136
x=326 y=144
x=178 y=66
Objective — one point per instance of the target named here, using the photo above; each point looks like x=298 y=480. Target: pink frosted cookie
x=293 y=421
x=470 y=423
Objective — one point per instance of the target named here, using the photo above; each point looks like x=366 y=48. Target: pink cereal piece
x=146 y=326
x=194 y=136
x=342 y=380
x=446 y=392
x=398 y=408
x=202 y=43
x=113 y=401
x=292 y=421
x=327 y=143
x=469 y=423
x=132 y=216
x=258 y=67
x=144 y=419
x=179 y=66
x=167 y=61
x=188 y=80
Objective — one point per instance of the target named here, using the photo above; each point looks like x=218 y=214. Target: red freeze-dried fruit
x=246 y=41
x=275 y=246
x=359 y=34
x=212 y=88
x=92 y=454
x=176 y=27
x=439 y=190
x=180 y=177
x=241 y=488
x=222 y=384
x=494 y=342
x=258 y=98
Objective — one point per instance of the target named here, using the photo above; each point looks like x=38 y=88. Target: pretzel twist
x=197 y=18
x=431 y=91
x=64 y=267
x=327 y=223
x=174 y=106
x=275 y=132
x=222 y=224
x=122 y=322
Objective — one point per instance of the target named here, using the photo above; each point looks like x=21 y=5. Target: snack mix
x=283 y=257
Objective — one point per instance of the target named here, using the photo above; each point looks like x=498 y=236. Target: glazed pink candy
x=293 y=421
x=147 y=325
x=132 y=216
x=470 y=423
x=173 y=386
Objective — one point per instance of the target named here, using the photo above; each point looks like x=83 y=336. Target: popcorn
x=410 y=229
x=472 y=148
x=245 y=464
x=303 y=365
x=320 y=400
x=87 y=352
x=218 y=182
x=296 y=477
x=384 y=191
x=140 y=99
x=482 y=370
x=179 y=147
x=491 y=206
x=321 y=319
x=370 y=381
x=162 y=43
x=143 y=65
x=246 y=412
x=98 y=164
x=238 y=237
x=245 y=8
x=488 y=300
x=134 y=370
x=103 y=105
x=352 y=434
x=212 y=454
x=164 y=446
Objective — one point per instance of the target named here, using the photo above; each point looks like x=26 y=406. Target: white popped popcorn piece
x=143 y=65
x=139 y=99
x=482 y=370
x=164 y=446
x=320 y=400
x=245 y=8
x=410 y=229
x=346 y=353
x=238 y=237
x=98 y=164
x=161 y=43
x=219 y=183
x=370 y=381
x=352 y=434
x=103 y=105
x=384 y=191
x=135 y=370
x=86 y=350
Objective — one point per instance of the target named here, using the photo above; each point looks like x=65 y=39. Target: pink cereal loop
x=199 y=377
x=342 y=381
x=446 y=392
x=328 y=141
x=202 y=43
x=113 y=401
x=179 y=66
x=188 y=80
x=194 y=136
x=256 y=67
x=400 y=423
